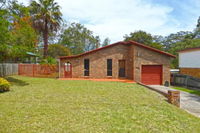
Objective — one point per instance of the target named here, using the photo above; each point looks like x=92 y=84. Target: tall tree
x=197 y=29
x=2 y=4
x=143 y=37
x=175 y=38
x=4 y=34
x=56 y=50
x=106 y=42
x=24 y=38
x=139 y=36
x=79 y=39
x=46 y=18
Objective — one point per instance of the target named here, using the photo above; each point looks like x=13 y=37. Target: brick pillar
x=174 y=97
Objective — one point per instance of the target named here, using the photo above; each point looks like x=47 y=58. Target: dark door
x=152 y=74
x=68 y=70
x=122 y=68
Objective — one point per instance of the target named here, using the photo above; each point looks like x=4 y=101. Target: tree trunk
x=45 y=38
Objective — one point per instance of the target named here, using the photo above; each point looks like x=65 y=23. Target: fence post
x=33 y=69
x=18 y=70
x=186 y=81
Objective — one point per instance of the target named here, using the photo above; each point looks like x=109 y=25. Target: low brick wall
x=174 y=97
x=195 y=72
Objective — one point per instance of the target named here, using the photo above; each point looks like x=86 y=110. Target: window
x=68 y=67
x=86 y=67
x=109 y=67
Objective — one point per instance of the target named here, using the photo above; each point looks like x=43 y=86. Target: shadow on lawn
x=17 y=82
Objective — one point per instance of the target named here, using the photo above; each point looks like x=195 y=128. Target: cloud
x=115 y=18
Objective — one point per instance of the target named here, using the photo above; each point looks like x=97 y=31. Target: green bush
x=4 y=85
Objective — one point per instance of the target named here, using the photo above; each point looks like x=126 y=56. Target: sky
x=115 y=18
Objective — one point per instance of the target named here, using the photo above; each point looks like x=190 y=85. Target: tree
x=144 y=38
x=4 y=35
x=2 y=4
x=46 y=18
x=198 y=23
x=106 y=42
x=24 y=38
x=139 y=36
x=78 y=38
x=197 y=29
x=176 y=37
x=17 y=10
x=56 y=50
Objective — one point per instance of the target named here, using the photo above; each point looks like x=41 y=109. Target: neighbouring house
x=189 y=61
x=129 y=60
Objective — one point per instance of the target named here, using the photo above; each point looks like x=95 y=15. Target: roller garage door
x=152 y=74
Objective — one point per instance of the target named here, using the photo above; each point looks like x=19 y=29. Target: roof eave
x=153 y=49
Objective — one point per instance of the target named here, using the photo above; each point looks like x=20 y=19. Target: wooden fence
x=185 y=80
x=37 y=70
x=7 y=69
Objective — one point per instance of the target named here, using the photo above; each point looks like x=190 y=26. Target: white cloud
x=115 y=18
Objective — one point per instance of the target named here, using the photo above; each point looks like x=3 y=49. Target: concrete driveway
x=189 y=102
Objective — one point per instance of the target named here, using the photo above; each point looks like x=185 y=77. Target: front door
x=68 y=70
x=122 y=73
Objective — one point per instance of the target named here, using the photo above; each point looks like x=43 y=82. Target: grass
x=37 y=105
x=196 y=92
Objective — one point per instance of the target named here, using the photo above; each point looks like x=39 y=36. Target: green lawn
x=196 y=92
x=53 y=106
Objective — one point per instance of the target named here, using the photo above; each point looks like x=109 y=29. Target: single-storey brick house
x=130 y=60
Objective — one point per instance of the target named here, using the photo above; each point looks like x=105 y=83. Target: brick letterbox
x=174 y=97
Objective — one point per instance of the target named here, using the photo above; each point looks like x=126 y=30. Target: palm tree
x=46 y=18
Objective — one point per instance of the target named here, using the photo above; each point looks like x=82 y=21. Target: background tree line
x=40 y=28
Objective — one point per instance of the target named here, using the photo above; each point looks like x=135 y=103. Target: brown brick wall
x=195 y=72
x=144 y=56
x=98 y=62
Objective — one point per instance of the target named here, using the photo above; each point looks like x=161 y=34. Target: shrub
x=4 y=85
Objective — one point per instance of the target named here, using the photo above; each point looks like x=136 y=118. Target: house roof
x=189 y=49
x=31 y=54
x=122 y=43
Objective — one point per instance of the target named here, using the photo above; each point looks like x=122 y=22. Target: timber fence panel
x=7 y=69
x=185 y=80
x=38 y=70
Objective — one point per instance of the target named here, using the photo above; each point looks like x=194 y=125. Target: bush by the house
x=4 y=85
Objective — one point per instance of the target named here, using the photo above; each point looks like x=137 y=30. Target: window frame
x=86 y=67
x=109 y=67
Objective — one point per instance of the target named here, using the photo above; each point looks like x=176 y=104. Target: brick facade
x=98 y=62
x=134 y=57
x=195 y=72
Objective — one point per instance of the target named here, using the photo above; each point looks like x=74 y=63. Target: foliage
x=50 y=105
x=144 y=38
x=4 y=34
x=106 y=42
x=2 y=4
x=4 y=85
x=48 y=60
x=46 y=17
x=17 y=34
x=56 y=50
x=139 y=36
x=24 y=38
x=79 y=39
x=17 y=10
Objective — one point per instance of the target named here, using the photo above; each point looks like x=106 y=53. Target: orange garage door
x=152 y=74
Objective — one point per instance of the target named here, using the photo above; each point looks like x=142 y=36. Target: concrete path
x=189 y=102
